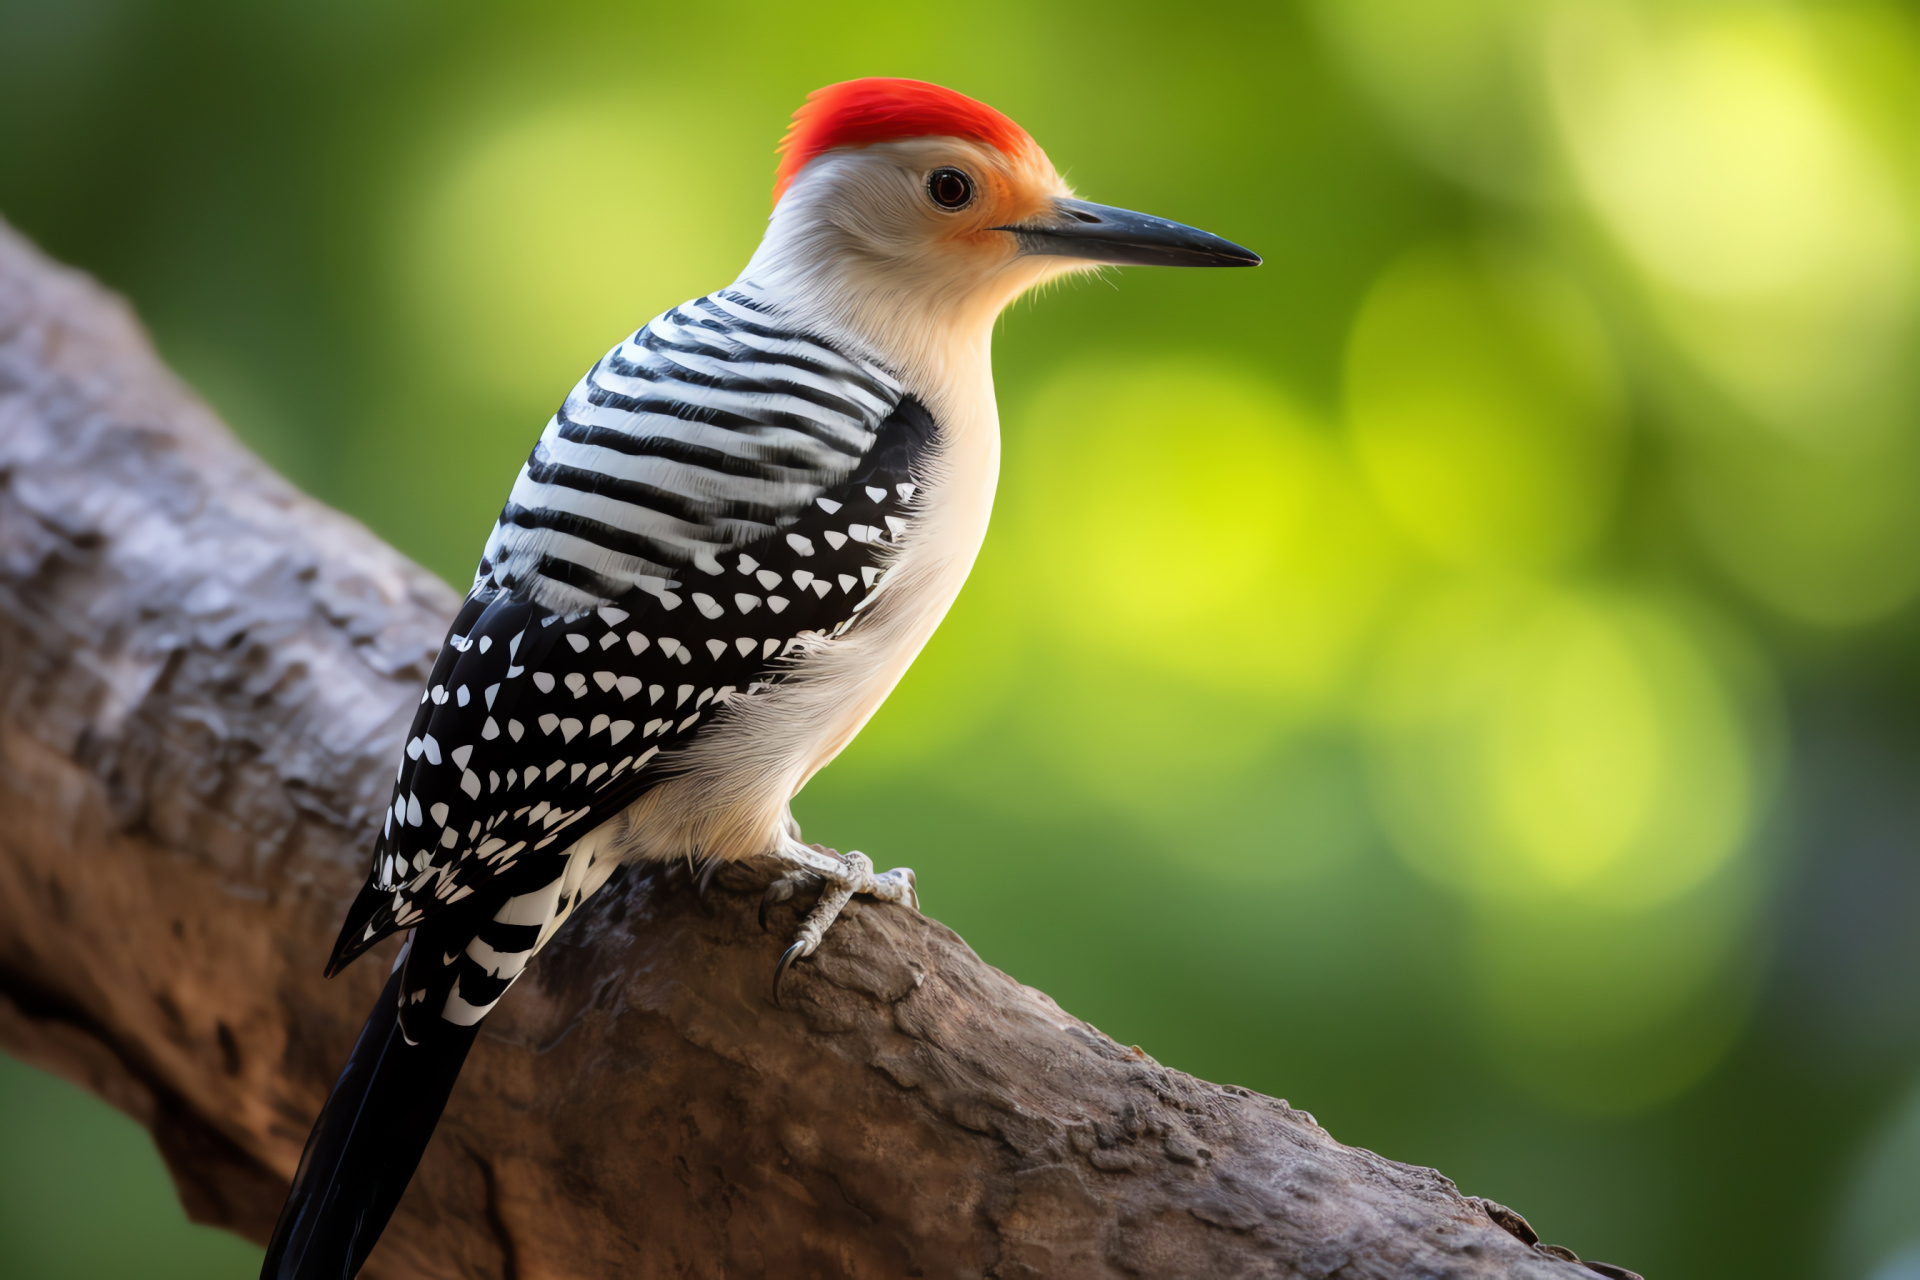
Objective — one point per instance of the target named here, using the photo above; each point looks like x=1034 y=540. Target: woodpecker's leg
x=843 y=876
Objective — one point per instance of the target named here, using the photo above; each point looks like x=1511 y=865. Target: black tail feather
x=365 y=1146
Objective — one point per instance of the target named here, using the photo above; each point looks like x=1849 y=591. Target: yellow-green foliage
x=1387 y=680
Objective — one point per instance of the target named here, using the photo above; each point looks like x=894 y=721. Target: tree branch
x=205 y=678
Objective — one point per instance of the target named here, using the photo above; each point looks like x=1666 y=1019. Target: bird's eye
x=950 y=188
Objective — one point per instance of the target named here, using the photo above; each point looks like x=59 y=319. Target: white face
x=915 y=246
x=912 y=224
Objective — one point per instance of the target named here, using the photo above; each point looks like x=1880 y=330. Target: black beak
x=1080 y=229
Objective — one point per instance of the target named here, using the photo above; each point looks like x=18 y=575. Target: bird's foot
x=842 y=876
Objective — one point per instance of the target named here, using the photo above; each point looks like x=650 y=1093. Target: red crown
x=859 y=113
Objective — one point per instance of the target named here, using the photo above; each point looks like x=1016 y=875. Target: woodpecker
x=726 y=548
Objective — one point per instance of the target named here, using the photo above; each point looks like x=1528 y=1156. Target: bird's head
x=910 y=215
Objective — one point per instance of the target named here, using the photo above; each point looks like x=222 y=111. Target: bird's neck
x=935 y=337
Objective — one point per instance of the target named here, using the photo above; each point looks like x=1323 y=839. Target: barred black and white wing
x=710 y=430
x=718 y=494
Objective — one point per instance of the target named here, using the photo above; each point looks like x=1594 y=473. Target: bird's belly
x=730 y=792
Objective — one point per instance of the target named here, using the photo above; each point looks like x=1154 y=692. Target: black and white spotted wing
x=600 y=637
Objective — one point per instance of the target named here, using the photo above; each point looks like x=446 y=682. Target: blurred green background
x=1461 y=677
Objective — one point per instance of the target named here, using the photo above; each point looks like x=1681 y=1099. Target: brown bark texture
x=204 y=680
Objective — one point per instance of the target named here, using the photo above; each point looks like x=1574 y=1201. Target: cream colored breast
x=733 y=786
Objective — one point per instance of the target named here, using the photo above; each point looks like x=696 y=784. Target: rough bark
x=204 y=677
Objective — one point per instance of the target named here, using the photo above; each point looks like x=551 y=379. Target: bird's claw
x=844 y=877
x=787 y=958
x=705 y=878
x=898 y=885
x=782 y=890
